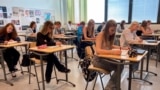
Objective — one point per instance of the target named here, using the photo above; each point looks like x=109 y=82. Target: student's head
x=70 y=22
x=134 y=26
x=91 y=23
x=57 y=25
x=82 y=23
x=123 y=22
x=144 y=24
x=47 y=28
x=9 y=29
x=109 y=31
x=33 y=24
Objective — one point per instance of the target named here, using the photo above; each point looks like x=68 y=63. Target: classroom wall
x=53 y=5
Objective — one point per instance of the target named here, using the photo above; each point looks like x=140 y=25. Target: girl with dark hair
x=88 y=35
x=11 y=55
x=104 y=45
x=31 y=32
x=121 y=27
x=144 y=29
x=44 y=39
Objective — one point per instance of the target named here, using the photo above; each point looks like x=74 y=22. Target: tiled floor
x=75 y=76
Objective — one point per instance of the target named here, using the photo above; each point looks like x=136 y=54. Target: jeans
x=102 y=63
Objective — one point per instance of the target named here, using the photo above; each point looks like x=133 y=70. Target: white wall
x=39 y=4
x=53 y=5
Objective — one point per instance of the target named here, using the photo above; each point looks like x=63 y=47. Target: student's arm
x=1 y=39
x=40 y=39
x=100 y=50
x=115 y=46
x=145 y=31
x=85 y=34
x=50 y=42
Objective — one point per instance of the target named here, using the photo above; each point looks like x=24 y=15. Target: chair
x=37 y=63
x=89 y=52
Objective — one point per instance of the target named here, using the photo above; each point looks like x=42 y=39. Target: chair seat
x=37 y=61
x=91 y=67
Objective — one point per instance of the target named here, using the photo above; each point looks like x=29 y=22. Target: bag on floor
x=26 y=60
x=87 y=74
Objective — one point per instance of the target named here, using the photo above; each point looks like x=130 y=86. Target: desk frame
x=42 y=70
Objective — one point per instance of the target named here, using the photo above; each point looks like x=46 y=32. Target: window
x=145 y=10
x=95 y=10
x=118 y=10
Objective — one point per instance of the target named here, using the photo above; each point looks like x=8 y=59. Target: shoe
x=48 y=79
x=13 y=73
x=65 y=70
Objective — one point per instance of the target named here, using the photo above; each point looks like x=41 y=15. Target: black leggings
x=11 y=56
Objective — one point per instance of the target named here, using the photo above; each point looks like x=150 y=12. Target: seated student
x=31 y=32
x=57 y=28
x=121 y=27
x=129 y=35
x=11 y=55
x=104 y=45
x=70 y=26
x=100 y=27
x=144 y=29
x=44 y=38
x=88 y=34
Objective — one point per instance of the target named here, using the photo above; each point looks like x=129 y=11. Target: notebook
x=140 y=51
x=151 y=41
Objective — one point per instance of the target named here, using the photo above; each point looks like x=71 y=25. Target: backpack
x=87 y=74
x=26 y=60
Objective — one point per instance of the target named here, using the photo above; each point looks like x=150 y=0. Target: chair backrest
x=88 y=75
x=32 y=44
x=89 y=51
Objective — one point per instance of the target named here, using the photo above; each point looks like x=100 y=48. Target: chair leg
x=101 y=80
x=87 y=81
x=29 y=73
x=36 y=76
x=95 y=82
x=20 y=67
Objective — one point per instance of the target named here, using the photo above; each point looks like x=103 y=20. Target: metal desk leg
x=65 y=52
x=141 y=74
x=130 y=76
x=148 y=57
x=118 y=86
x=42 y=73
